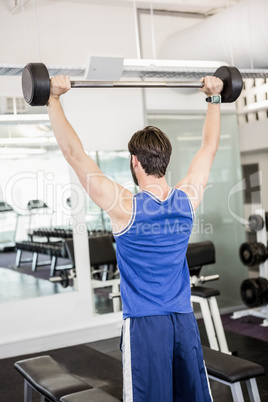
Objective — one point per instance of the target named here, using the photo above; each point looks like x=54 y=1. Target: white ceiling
x=194 y=6
x=206 y=7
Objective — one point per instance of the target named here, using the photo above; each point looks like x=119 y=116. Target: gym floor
x=99 y=364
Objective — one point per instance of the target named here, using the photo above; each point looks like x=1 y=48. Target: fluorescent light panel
x=28 y=141
x=172 y=63
x=23 y=117
x=19 y=151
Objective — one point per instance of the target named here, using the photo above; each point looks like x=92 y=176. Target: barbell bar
x=36 y=84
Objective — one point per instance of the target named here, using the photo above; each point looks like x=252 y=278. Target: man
x=162 y=354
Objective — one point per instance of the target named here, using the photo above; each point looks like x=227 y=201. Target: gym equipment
x=64 y=278
x=36 y=84
x=55 y=383
x=231 y=370
x=94 y=395
x=54 y=249
x=36 y=204
x=48 y=378
x=61 y=233
x=255 y=223
x=102 y=259
x=252 y=254
x=254 y=292
x=198 y=255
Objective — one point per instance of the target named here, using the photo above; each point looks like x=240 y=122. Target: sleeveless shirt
x=151 y=255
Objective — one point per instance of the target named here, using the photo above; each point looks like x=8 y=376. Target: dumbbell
x=36 y=84
x=63 y=277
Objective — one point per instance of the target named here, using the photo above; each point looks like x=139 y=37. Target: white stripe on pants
x=127 y=372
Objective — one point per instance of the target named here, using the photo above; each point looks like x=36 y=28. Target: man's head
x=152 y=149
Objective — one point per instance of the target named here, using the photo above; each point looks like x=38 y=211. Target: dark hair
x=153 y=149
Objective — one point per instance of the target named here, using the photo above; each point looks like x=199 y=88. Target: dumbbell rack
x=261 y=312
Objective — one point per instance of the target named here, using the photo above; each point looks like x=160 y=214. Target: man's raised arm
x=195 y=181
x=108 y=195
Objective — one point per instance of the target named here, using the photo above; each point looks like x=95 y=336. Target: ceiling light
x=24 y=141
x=15 y=156
x=23 y=118
x=19 y=151
x=173 y=63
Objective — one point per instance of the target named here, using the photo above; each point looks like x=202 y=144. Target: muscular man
x=162 y=354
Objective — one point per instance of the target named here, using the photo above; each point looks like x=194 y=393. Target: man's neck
x=158 y=187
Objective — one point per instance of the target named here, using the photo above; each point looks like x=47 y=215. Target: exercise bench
x=231 y=370
x=93 y=395
x=54 y=383
x=198 y=255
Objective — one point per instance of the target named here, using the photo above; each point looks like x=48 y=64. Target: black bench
x=94 y=395
x=48 y=378
x=231 y=370
x=54 y=383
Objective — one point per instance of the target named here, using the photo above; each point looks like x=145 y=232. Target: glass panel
x=219 y=215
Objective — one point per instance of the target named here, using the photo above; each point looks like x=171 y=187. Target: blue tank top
x=151 y=255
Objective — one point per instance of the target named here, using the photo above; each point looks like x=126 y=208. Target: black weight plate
x=64 y=278
x=251 y=293
x=246 y=254
x=35 y=84
x=232 y=81
x=263 y=283
x=255 y=222
x=261 y=254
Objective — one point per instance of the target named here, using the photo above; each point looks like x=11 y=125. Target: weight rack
x=261 y=312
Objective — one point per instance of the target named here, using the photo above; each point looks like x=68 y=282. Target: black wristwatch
x=214 y=99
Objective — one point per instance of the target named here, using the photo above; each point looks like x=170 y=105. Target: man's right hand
x=212 y=85
x=59 y=85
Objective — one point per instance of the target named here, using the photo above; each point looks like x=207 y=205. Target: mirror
x=35 y=213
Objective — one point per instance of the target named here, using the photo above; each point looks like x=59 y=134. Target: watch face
x=216 y=99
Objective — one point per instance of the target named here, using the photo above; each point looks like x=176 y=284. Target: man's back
x=151 y=255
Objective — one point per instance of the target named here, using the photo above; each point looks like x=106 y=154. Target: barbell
x=36 y=84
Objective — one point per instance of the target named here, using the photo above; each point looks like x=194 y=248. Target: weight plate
x=233 y=83
x=246 y=254
x=64 y=278
x=36 y=84
x=263 y=283
x=255 y=222
x=251 y=293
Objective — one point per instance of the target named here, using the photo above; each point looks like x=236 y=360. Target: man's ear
x=134 y=161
